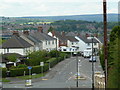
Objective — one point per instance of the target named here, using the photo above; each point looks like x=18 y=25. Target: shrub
x=54 y=53
x=20 y=71
x=53 y=61
x=4 y=70
x=22 y=66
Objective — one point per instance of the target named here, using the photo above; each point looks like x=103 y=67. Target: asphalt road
x=63 y=75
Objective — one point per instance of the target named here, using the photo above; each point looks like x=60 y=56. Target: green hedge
x=4 y=74
x=37 y=69
x=53 y=61
x=20 y=71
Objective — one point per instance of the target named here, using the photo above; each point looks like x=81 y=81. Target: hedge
x=53 y=61
x=37 y=69
x=4 y=72
x=20 y=71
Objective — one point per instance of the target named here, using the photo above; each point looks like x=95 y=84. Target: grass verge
x=32 y=76
x=5 y=80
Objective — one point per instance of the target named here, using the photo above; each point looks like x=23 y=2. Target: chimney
x=26 y=32
x=16 y=33
x=63 y=33
x=40 y=29
x=53 y=33
x=87 y=35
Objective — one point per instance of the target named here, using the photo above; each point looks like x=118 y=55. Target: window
x=52 y=42
x=64 y=49
x=7 y=50
x=95 y=43
x=88 y=44
x=46 y=42
x=72 y=43
x=49 y=42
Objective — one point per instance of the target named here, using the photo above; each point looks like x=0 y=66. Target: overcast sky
x=16 y=8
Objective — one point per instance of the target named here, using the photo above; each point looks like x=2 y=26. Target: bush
x=54 y=53
x=22 y=66
x=20 y=71
x=4 y=74
x=53 y=61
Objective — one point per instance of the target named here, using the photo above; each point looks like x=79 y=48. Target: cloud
x=53 y=7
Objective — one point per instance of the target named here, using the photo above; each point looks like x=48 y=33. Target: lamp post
x=92 y=67
x=77 y=68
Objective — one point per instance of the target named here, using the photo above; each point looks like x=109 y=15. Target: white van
x=87 y=53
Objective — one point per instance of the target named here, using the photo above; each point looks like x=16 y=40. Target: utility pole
x=105 y=41
x=92 y=67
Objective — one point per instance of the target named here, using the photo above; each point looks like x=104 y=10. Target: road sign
x=41 y=63
x=29 y=67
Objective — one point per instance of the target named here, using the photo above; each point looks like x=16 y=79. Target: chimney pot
x=40 y=29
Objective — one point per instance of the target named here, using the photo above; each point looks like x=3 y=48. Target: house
x=37 y=44
x=65 y=43
x=72 y=44
x=61 y=40
x=16 y=45
x=48 y=42
x=85 y=43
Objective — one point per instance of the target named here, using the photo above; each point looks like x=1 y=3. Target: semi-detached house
x=16 y=45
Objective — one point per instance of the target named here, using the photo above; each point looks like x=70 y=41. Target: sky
x=19 y=8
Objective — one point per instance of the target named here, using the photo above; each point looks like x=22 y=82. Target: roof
x=70 y=34
x=42 y=36
x=83 y=38
x=16 y=42
x=61 y=37
x=72 y=38
x=33 y=39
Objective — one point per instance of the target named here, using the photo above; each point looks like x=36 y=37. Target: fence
x=99 y=80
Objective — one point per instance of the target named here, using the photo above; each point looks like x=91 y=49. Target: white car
x=94 y=59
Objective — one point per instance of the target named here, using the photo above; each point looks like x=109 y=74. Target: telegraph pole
x=105 y=40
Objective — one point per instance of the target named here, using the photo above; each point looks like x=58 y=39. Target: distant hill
x=92 y=17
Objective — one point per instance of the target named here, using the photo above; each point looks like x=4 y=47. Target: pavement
x=62 y=75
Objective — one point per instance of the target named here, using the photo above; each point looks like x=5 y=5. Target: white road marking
x=68 y=79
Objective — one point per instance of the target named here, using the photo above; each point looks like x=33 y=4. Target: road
x=63 y=75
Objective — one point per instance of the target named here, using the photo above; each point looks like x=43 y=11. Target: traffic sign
x=41 y=63
x=29 y=67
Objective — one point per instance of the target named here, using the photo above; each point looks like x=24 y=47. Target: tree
x=114 y=58
x=12 y=58
x=50 y=29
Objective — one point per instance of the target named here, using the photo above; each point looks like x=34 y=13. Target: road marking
x=68 y=79
x=44 y=79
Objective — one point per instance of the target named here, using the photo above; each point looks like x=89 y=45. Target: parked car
x=94 y=59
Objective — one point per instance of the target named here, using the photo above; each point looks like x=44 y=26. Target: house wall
x=22 y=51
x=50 y=34
x=81 y=44
x=49 y=45
x=70 y=44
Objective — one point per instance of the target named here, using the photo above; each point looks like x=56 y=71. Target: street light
x=77 y=68
x=92 y=66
